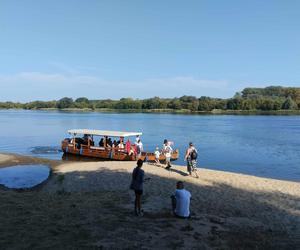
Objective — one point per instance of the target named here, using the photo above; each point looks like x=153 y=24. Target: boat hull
x=162 y=157
x=110 y=154
x=100 y=152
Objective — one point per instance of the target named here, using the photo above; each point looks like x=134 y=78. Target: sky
x=104 y=49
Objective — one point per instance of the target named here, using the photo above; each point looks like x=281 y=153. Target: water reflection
x=45 y=150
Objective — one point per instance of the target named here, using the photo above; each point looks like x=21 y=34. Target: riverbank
x=89 y=205
x=174 y=111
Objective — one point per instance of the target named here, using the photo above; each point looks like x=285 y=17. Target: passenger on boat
x=85 y=139
x=128 y=146
x=105 y=141
x=132 y=150
x=79 y=141
x=121 y=146
x=139 y=147
x=137 y=139
x=115 y=144
x=101 y=143
x=109 y=142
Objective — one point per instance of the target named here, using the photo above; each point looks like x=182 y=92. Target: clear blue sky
x=138 y=48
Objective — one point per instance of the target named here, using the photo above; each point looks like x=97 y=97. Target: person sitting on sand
x=191 y=158
x=137 y=186
x=181 y=201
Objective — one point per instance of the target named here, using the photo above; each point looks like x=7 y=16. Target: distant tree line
x=265 y=99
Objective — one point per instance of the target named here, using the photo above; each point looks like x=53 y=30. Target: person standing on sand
x=157 y=155
x=168 y=153
x=137 y=186
x=191 y=158
x=181 y=201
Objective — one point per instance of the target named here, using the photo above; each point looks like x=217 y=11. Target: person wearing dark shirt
x=101 y=143
x=109 y=142
x=137 y=186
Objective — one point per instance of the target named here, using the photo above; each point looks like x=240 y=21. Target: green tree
x=65 y=102
x=205 y=103
x=174 y=104
x=82 y=103
x=82 y=100
x=289 y=104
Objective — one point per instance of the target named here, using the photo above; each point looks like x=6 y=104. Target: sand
x=89 y=205
x=5 y=158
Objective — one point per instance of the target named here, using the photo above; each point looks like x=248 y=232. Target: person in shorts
x=157 y=155
x=181 y=201
x=137 y=186
x=191 y=159
x=168 y=153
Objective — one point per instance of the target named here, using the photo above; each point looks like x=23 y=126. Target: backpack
x=194 y=155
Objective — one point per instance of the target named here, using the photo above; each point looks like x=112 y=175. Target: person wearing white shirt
x=181 y=201
x=139 y=147
x=137 y=139
x=157 y=155
x=168 y=153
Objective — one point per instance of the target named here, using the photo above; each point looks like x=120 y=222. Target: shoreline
x=89 y=204
x=170 y=111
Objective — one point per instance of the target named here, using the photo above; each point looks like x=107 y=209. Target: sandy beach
x=89 y=205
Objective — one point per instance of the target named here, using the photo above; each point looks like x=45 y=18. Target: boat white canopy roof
x=103 y=132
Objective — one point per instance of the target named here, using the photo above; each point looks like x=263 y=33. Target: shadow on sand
x=95 y=210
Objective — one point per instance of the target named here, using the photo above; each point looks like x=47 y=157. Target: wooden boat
x=162 y=158
x=77 y=146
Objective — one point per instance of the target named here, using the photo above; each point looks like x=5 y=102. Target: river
x=260 y=145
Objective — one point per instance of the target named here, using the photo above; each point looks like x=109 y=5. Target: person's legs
x=173 y=202
x=194 y=168
x=189 y=168
x=168 y=163
x=137 y=202
x=157 y=161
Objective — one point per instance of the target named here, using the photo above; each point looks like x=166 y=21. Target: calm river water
x=267 y=146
